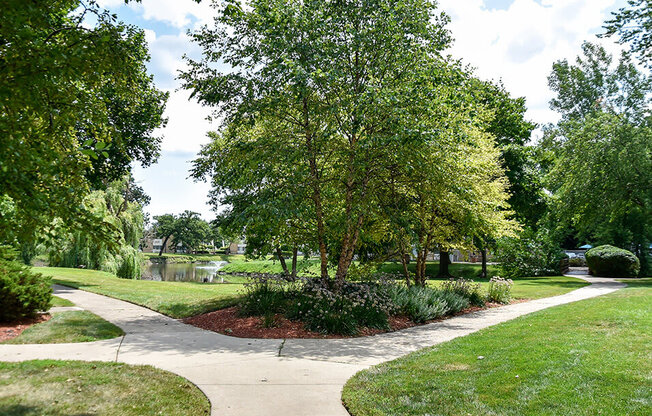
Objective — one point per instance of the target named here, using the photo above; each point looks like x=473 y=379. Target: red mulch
x=9 y=330
x=228 y=322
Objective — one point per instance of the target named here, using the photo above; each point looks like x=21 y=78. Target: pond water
x=185 y=272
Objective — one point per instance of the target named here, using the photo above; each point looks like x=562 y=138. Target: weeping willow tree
x=122 y=213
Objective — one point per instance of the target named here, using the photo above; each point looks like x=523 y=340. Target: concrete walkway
x=265 y=377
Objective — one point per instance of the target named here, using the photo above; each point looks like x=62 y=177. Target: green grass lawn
x=183 y=299
x=465 y=270
x=585 y=358
x=57 y=301
x=69 y=326
x=58 y=388
x=175 y=299
x=304 y=266
x=535 y=287
x=312 y=267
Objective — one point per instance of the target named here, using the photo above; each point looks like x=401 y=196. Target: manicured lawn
x=69 y=326
x=60 y=388
x=536 y=287
x=585 y=358
x=304 y=267
x=312 y=267
x=183 y=299
x=175 y=299
x=57 y=301
x=465 y=270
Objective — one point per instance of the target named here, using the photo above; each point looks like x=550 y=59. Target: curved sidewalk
x=266 y=377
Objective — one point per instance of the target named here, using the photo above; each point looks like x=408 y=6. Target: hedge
x=610 y=261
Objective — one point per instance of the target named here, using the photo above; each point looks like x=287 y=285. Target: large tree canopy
x=76 y=107
x=324 y=103
x=187 y=230
x=601 y=177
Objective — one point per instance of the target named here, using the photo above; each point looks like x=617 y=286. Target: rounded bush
x=610 y=261
x=22 y=293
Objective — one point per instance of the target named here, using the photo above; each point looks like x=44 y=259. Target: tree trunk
x=316 y=193
x=444 y=261
x=279 y=254
x=483 y=273
x=160 y=253
x=295 y=250
x=346 y=254
x=419 y=277
x=406 y=272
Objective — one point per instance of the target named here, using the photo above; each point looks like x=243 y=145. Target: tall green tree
x=512 y=131
x=450 y=189
x=330 y=75
x=187 y=230
x=71 y=247
x=601 y=176
x=190 y=231
x=66 y=126
x=164 y=227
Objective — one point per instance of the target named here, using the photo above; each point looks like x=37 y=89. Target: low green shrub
x=22 y=292
x=610 y=261
x=264 y=295
x=465 y=288
x=422 y=304
x=500 y=290
x=455 y=302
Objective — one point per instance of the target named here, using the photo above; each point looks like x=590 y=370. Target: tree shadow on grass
x=22 y=410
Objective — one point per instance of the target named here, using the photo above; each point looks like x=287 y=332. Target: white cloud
x=187 y=125
x=520 y=44
x=178 y=13
x=110 y=3
x=166 y=53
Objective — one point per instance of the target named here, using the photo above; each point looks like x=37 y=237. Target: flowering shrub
x=500 y=290
x=423 y=304
x=342 y=311
x=466 y=288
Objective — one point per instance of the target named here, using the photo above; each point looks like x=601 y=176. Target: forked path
x=265 y=377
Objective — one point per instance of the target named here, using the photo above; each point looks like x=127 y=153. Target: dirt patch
x=9 y=330
x=229 y=322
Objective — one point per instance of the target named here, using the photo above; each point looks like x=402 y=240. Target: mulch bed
x=229 y=322
x=9 y=330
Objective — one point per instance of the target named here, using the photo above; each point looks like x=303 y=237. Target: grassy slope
x=58 y=388
x=70 y=326
x=176 y=299
x=304 y=267
x=584 y=358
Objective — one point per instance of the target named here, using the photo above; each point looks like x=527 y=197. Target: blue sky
x=513 y=40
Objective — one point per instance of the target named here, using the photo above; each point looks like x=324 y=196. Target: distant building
x=153 y=245
x=237 y=248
